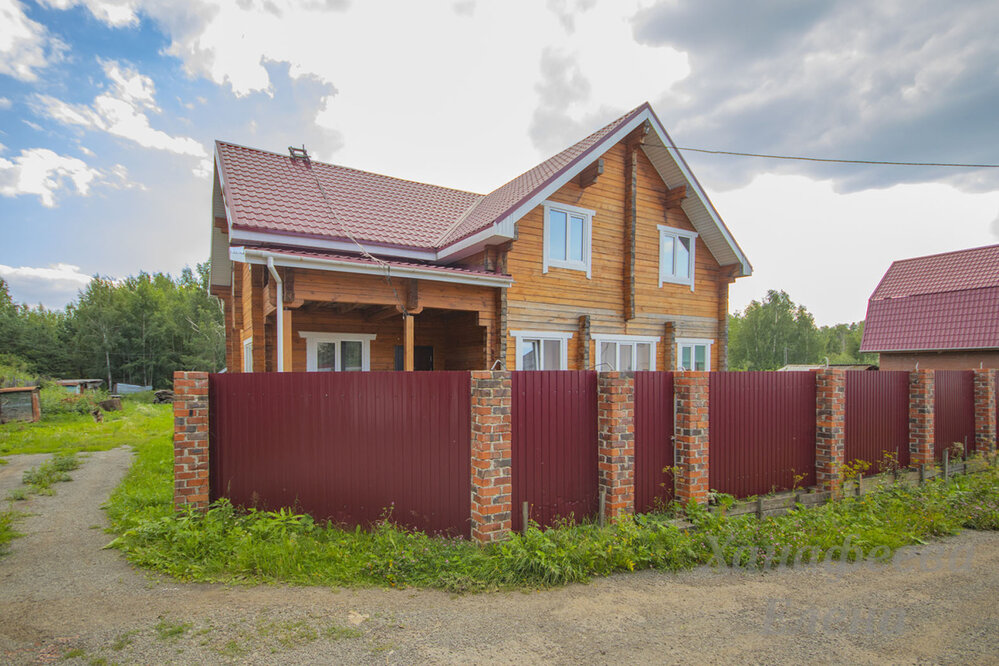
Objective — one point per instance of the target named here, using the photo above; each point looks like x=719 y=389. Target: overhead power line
x=837 y=161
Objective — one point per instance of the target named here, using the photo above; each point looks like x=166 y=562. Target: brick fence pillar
x=616 y=441
x=985 y=411
x=830 y=428
x=691 y=391
x=492 y=479
x=190 y=439
x=921 y=394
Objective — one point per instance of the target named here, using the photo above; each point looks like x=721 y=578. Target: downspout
x=279 y=289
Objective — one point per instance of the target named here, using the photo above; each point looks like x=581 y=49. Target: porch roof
x=353 y=263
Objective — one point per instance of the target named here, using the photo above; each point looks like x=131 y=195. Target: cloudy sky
x=108 y=110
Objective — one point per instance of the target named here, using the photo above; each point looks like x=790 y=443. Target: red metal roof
x=950 y=271
x=270 y=192
x=944 y=301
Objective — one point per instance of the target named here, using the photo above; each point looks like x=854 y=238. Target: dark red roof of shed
x=943 y=301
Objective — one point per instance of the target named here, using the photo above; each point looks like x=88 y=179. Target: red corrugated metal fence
x=762 y=431
x=877 y=417
x=653 y=439
x=954 y=410
x=554 y=418
x=345 y=446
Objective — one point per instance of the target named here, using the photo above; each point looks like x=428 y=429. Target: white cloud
x=5 y=103
x=114 y=14
x=829 y=250
x=25 y=45
x=121 y=111
x=53 y=286
x=42 y=172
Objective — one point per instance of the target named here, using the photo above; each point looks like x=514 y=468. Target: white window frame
x=313 y=338
x=563 y=339
x=248 y=355
x=694 y=342
x=586 y=264
x=624 y=340
x=676 y=235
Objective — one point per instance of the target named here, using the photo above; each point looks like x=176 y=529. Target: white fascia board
x=747 y=268
x=252 y=256
x=550 y=335
x=597 y=149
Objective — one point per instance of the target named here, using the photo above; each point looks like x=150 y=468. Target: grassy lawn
x=64 y=432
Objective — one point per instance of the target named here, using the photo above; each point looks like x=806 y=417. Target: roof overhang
x=258 y=256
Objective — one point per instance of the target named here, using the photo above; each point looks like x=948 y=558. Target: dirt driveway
x=62 y=595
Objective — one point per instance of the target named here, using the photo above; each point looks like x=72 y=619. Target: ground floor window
x=337 y=352
x=542 y=350
x=693 y=354
x=248 y=355
x=625 y=353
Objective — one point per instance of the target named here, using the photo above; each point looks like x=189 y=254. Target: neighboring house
x=805 y=367
x=937 y=312
x=607 y=255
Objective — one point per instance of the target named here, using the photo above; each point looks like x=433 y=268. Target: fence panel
x=877 y=417
x=653 y=439
x=345 y=446
x=954 y=410
x=554 y=462
x=762 y=431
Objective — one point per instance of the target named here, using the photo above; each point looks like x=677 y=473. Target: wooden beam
x=589 y=175
x=413 y=296
x=382 y=313
x=630 y=230
x=408 y=351
x=675 y=196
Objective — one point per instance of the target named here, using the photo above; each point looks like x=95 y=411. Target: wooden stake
x=860 y=484
x=922 y=474
x=946 y=463
x=759 y=506
x=524 y=517
x=603 y=506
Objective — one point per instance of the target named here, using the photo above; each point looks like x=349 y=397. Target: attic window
x=676 y=256
x=567 y=237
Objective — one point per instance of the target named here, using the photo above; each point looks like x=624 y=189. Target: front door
x=423 y=357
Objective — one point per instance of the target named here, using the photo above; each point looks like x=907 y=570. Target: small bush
x=15 y=371
x=40 y=479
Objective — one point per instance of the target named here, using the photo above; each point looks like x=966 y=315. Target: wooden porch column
x=407 y=342
x=286 y=343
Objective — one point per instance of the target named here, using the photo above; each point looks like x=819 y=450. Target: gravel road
x=62 y=596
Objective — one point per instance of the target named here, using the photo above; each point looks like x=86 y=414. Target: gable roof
x=946 y=301
x=271 y=198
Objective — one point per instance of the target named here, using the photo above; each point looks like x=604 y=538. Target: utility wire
x=836 y=161
x=295 y=154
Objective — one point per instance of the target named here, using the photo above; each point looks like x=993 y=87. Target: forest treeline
x=773 y=332
x=137 y=330
x=141 y=329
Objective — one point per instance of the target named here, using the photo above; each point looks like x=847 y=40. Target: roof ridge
x=347 y=168
x=944 y=254
x=935 y=293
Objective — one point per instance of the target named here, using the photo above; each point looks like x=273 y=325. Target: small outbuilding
x=20 y=403
x=80 y=385
x=937 y=312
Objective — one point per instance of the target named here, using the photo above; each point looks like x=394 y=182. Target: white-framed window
x=676 y=256
x=625 y=352
x=542 y=350
x=567 y=237
x=337 y=352
x=248 y=355
x=693 y=354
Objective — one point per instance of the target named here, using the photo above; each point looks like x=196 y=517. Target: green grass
x=135 y=425
x=56 y=469
x=7 y=532
x=166 y=629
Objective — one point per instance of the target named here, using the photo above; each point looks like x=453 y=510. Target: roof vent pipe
x=279 y=293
